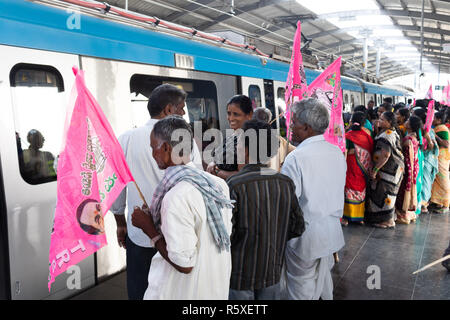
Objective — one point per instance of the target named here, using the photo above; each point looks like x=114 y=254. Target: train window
x=254 y=93
x=201 y=101
x=39 y=112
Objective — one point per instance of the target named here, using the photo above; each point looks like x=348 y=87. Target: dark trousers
x=138 y=266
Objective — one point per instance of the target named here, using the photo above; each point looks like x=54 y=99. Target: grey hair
x=313 y=113
x=171 y=129
x=262 y=114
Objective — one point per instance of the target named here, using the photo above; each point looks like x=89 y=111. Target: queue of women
x=396 y=170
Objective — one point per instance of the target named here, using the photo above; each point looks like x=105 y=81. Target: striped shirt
x=265 y=216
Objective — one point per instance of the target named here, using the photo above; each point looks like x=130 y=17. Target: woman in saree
x=406 y=203
x=225 y=163
x=402 y=115
x=440 y=192
x=386 y=174
x=428 y=164
x=359 y=163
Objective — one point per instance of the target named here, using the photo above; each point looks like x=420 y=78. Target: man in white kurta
x=318 y=170
x=190 y=244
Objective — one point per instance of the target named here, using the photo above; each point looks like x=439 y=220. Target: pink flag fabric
x=430 y=116
x=327 y=88
x=446 y=94
x=92 y=171
x=429 y=94
x=296 y=86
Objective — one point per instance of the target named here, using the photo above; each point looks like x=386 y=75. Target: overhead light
x=446 y=47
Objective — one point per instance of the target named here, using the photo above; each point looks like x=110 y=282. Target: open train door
x=34 y=90
x=254 y=89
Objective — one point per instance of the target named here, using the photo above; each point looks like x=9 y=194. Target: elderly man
x=190 y=222
x=164 y=100
x=264 y=115
x=318 y=170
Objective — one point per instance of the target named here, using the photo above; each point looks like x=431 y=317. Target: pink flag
x=296 y=87
x=327 y=88
x=92 y=171
x=430 y=116
x=429 y=94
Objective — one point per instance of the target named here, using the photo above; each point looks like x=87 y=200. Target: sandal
x=383 y=225
x=344 y=222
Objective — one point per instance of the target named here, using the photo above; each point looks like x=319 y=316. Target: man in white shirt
x=192 y=209
x=164 y=100
x=318 y=170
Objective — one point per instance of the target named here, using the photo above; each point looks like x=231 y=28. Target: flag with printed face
x=429 y=94
x=327 y=89
x=430 y=116
x=92 y=171
x=296 y=86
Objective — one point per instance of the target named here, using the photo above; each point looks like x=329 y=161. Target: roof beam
x=379 y=27
x=187 y=10
x=346 y=42
x=243 y=9
x=390 y=12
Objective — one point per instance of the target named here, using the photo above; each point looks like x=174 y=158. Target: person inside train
x=37 y=164
x=190 y=223
x=318 y=170
x=264 y=115
x=255 y=239
x=371 y=112
x=164 y=100
x=225 y=163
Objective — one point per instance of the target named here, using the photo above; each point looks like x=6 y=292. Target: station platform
x=397 y=252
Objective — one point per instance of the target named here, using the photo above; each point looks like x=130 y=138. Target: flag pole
x=432 y=264
x=140 y=194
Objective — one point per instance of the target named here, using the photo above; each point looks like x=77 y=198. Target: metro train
x=123 y=62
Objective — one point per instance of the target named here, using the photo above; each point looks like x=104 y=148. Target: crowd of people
x=397 y=168
x=260 y=228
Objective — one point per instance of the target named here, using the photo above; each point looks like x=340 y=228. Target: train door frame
x=246 y=82
x=5 y=282
x=30 y=218
x=109 y=82
x=276 y=86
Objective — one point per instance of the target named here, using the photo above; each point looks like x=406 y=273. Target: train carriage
x=123 y=62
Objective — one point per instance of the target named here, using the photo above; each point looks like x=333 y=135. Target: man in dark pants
x=164 y=100
x=265 y=216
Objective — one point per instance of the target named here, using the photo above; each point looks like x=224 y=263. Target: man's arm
x=118 y=208
x=296 y=221
x=144 y=221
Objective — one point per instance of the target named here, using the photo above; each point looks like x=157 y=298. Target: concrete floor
x=397 y=252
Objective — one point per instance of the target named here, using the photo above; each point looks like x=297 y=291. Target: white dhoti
x=307 y=280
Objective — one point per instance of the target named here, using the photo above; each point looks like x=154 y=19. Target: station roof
x=335 y=28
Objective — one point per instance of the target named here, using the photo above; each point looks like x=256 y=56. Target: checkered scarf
x=212 y=195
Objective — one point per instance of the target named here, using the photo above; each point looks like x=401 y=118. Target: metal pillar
x=126 y=4
x=421 y=38
x=366 y=54
x=378 y=62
